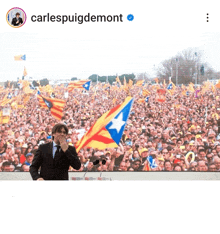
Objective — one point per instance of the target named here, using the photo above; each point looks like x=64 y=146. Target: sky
x=62 y=51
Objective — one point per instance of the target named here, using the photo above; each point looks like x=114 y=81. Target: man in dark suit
x=55 y=157
x=17 y=21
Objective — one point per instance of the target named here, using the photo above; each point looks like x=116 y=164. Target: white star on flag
x=117 y=123
x=86 y=85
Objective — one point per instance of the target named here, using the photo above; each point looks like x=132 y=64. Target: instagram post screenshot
x=109 y=107
x=109 y=91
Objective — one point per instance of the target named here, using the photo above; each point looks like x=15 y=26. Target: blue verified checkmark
x=130 y=17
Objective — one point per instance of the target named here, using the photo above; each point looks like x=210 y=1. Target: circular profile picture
x=16 y=17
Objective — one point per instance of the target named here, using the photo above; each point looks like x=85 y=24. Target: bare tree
x=143 y=76
x=184 y=68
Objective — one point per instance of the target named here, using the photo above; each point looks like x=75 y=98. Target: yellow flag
x=130 y=83
x=139 y=82
x=118 y=80
x=146 y=92
x=25 y=72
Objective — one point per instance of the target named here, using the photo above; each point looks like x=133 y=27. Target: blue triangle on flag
x=48 y=103
x=38 y=92
x=170 y=86
x=117 y=125
x=146 y=99
x=87 y=85
x=23 y=57
x=32 y=87
x=151 y=162
x=9 y=96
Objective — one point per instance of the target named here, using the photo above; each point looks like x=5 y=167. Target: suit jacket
x=53 y=168
x=14 y=20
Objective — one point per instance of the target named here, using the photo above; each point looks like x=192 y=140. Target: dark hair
x=22 y=167
x=177 y=165
x=33 y=151
x=17 y=13
x=216 y=147
x=6 y=163
x=167 y=161
x=201 y=150
x=16 y=142
x=211 y=164
x=58 y=127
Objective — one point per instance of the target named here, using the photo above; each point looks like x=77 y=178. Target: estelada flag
x=147 y=98
x=82 y=84
x=108 y=129
x=25 y=71
x=28 y=90
x=170 y=86
x=54 y=105
x=130 y=83
x=156 y=80
x=20 y=57
x=118 y=80
x=141 y=100
x=190 y=87
x=146 y=92
x=140 y=83
x=218 y=85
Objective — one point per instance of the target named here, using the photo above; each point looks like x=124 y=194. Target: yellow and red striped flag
x=28 y=90
x=146 y=166
x=55 y=105
x=164 y=83
x=139 y=82
x=141 y=100
x=146 y=92
x=218 y=84
x=190 y=87
x=82 y=84
x=130 y=83
x=25 y=71
x=156 y=80
x=7 y=100
x=213 y=88
x=20 y=57
x=108 y=129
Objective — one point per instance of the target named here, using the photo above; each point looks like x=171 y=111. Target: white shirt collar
x=54 y=144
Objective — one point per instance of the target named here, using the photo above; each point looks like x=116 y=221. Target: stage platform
x=122 y=176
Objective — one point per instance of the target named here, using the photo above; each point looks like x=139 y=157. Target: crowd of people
x=178 y=134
